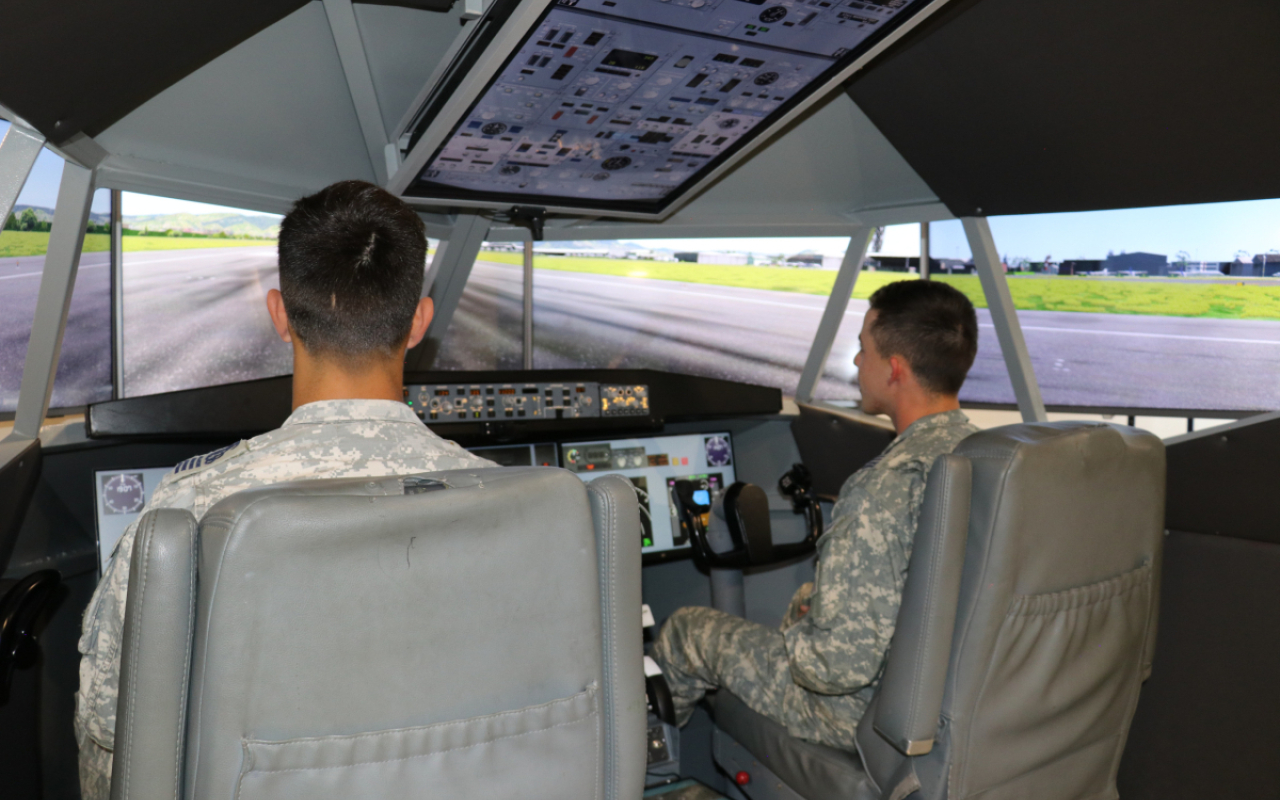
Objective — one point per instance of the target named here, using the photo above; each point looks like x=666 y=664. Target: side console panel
x=1219 y=613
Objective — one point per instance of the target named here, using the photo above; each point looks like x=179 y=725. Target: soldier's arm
x=837 y=648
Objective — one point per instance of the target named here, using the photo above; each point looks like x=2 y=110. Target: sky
x=1210 y=232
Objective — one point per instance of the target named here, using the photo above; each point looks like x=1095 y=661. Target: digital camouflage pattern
x=818 y=673
x=326 y=439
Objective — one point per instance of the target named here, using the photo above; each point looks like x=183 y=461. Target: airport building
x=1148 y=263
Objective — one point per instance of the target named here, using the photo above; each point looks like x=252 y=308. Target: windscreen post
x=355 y=68
x=18 y=153
x=833 y=316
x=527 y=338
x=75 y=196
x=924 y=251
x=444 y=282
x=117 y=294
x=1013 y=346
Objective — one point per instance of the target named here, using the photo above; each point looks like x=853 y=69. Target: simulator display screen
x=624 y=103
x=653 y=466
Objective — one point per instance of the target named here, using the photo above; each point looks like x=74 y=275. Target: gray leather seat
x=1027 y=627
x=463 y=634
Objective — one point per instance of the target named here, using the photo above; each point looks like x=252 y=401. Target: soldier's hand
x=799 y=605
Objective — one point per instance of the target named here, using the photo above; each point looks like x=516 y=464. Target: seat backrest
x=20 y=464
x=463 y=634
x=1054 y=614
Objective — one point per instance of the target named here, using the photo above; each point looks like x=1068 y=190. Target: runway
x=196 y=317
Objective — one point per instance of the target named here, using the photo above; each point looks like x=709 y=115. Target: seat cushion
x=814 y=771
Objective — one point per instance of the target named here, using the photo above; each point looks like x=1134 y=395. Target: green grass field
x=1101 y=295
x=16 y=244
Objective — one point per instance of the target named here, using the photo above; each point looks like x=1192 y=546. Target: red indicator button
x=557 y=115
x=742 y=778
x=569 y=53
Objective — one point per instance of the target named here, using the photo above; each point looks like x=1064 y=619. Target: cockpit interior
x=1090 y=609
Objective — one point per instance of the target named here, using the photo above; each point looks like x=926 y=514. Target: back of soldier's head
x=930 y=324
x=351 y=259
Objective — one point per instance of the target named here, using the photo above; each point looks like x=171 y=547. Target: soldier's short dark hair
x=352 y=258
x=930 y=324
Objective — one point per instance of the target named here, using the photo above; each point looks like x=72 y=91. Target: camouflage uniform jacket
x=326 y=439
x=837 y=649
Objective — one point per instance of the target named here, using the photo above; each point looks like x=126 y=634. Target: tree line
x=28 y=221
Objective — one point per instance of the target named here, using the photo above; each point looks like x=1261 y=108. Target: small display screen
x=121 y=496
x=653 y=466
x=625 y=104
x=629 y=60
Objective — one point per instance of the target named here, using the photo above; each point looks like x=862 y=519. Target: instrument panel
x=471 y=402
x=653 y=465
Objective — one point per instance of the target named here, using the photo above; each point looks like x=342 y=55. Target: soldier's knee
x=686 y=630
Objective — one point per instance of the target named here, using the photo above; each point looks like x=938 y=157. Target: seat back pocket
x=552 y=750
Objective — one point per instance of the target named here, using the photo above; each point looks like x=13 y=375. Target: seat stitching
x=610 y=693
x=353 y=737
x=930 y=592
x=609 y=600
x=141 y=593
x=960 y=766
x=593 y=714
x=186 y=667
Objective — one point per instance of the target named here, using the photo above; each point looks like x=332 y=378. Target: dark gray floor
x=196 y=318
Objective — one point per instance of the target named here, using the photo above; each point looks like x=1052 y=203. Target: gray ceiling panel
x=403 y=47
x=274 y=110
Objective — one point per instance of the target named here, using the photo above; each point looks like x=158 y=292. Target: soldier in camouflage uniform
x=350 y=313
x=818 y=673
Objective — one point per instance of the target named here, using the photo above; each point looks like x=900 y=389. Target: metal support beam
x=75 y=196
x=924 y=251
x=18 y=152
x=355 y=65
x=528 y=303
x=995 y=286
x=117 y=294
x=445 y=280
x=833 y=316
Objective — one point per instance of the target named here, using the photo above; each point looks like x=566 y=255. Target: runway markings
x=1140 y=334
x=717 y=296
x=132 y=259
x=34 y=274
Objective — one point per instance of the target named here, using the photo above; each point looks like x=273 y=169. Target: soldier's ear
x=421 y=320
x=279 y=318
x=898 y=369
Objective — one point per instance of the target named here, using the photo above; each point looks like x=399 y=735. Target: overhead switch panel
x=627 y=105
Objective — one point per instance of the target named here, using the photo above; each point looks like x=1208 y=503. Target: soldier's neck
x=918 y=406
x=317 y=378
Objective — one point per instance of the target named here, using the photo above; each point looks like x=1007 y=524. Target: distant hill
x=232 y=224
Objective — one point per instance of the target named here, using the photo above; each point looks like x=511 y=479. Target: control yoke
x=734 y=532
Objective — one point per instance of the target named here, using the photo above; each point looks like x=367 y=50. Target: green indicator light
x=648 y=543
